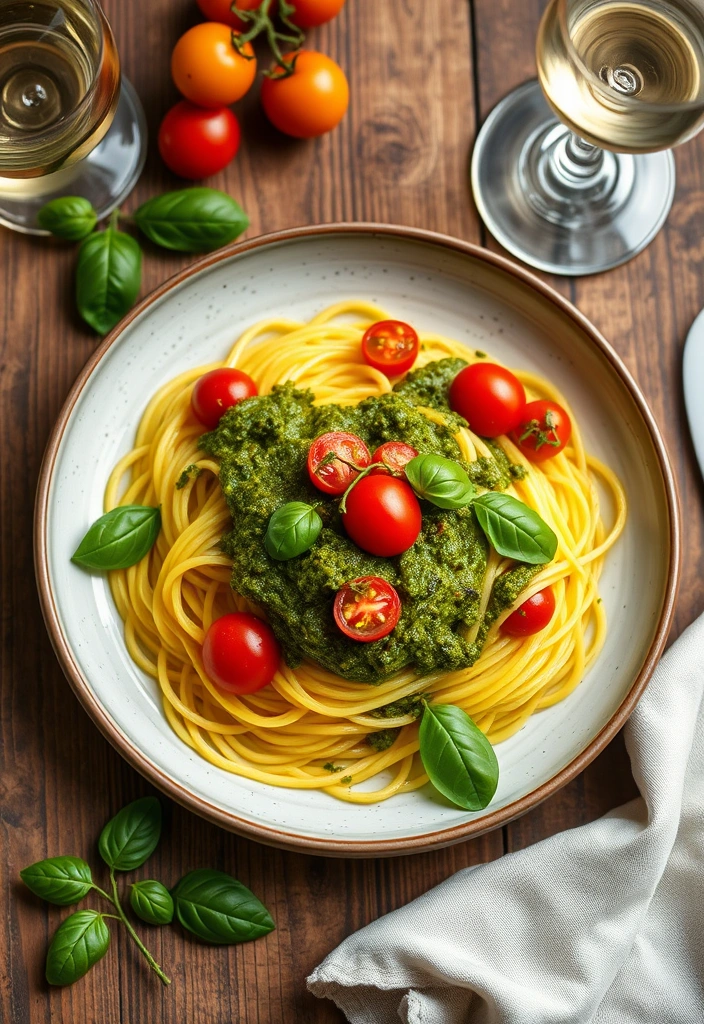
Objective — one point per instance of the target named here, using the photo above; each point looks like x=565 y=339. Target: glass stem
x=575 y=163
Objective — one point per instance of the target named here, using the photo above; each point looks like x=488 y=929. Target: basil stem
x=441 y=481
x=515 y=529
x=293 y=529
x=457 y=757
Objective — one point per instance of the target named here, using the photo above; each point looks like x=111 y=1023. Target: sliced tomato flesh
x=390 y=346
x=367 y=608
x=332 y=459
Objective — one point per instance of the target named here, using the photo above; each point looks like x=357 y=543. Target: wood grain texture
x=401 y=156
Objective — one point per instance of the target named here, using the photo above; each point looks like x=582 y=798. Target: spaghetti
x=308 y=729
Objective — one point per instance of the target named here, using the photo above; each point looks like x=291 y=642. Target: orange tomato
x=311 y=101
x=207 y=68
x=311 y=13
x=219 y=10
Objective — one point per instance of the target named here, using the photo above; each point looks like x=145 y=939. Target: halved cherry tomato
x=195 y=143
x=220 y=10
x=383 y=516
x=216 y=392
x=395 y=455
x=332 y=475
x=532 y=616
x=208 y=70
x=489 y=397
x=390 y=346
x=543 y=431
x=309 y=102
x=367 y=608
x=311 y=13
x=240 y=653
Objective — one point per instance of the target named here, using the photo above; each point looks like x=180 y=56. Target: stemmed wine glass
x=68 y=124
x=588 y=191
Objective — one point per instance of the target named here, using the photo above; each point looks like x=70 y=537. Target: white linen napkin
x=602 y=923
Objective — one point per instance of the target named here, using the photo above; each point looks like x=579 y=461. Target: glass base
x=105 y=177
x=554 y=213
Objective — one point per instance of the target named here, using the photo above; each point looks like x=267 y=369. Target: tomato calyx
x=260 y=20
x=541 y=432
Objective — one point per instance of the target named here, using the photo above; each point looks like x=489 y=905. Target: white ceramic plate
x=438 y=284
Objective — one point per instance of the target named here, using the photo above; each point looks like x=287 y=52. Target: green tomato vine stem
x=260 y=21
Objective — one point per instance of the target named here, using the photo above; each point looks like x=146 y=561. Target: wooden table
x=422 y=75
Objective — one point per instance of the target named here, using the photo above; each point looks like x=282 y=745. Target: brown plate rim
x=287 y=839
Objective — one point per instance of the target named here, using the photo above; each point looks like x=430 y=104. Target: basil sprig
x=59 y=880
x=120 y=538
x=192 y=219
x=439 y=480
x=152 y=902
x=219 y=909
x=80 y=941
x=68 y=217
x=292 y=530
x=458 y=758
x=515 y=529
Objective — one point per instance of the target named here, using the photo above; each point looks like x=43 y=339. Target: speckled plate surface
x=436 y=283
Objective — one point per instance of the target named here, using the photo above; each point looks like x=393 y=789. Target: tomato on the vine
x=543 y=431
x=195 y=143
x=220 y=10
x=311 y=101
x=395 y=455
x=382 y=516
x=334 y=475
x=311 y=13
x=489 y=397
x=532 y=616
x=240 y=653
x=367 y=608
x=390 y=346
x=217 y=391
x=208 y=70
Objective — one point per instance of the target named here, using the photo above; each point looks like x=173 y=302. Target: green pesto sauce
x=262 y=445
x=383 y=739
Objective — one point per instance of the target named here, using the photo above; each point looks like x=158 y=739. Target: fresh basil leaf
x=60 y=880
x=108 y=277
x=80 y=941
x=219 y=909
x=120 y=538
x=439 y=480
x=68 y=217
x=131 y=836
x=458 y=757
x=152 y=902
x=292 y=529
x=192 y=219
x=514 y=529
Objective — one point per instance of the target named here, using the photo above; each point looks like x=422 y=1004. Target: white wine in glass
x=587 y=192
x=68 y=125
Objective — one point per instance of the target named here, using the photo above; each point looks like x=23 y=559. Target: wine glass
x=588 y=191
x=68 y=125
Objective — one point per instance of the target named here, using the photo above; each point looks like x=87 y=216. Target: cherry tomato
x=390 y=346
x=309 y=102
x=219 y=10
x=196 y=143
x=367 y=608
x=216 y=392
x=208 y=70
x=489 y=397
x=311 y=13
x=383 y=516
x=240 y=653
x=395 y=455
x=334 y=476
x=543 y=431
x=532 y=616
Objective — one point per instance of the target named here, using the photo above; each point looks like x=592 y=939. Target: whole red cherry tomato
x=311 y=13
x=383 y=516
x=367 y=608
x=219 y=10
x=532 y=616
x=543 y=431
x=395 y=455
x=208 y=69
x=309 y=102
x=217 y=391
x=195 y=143
x=331 y=475
x=489 y=397
x=390 y=346
x=240 y=653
